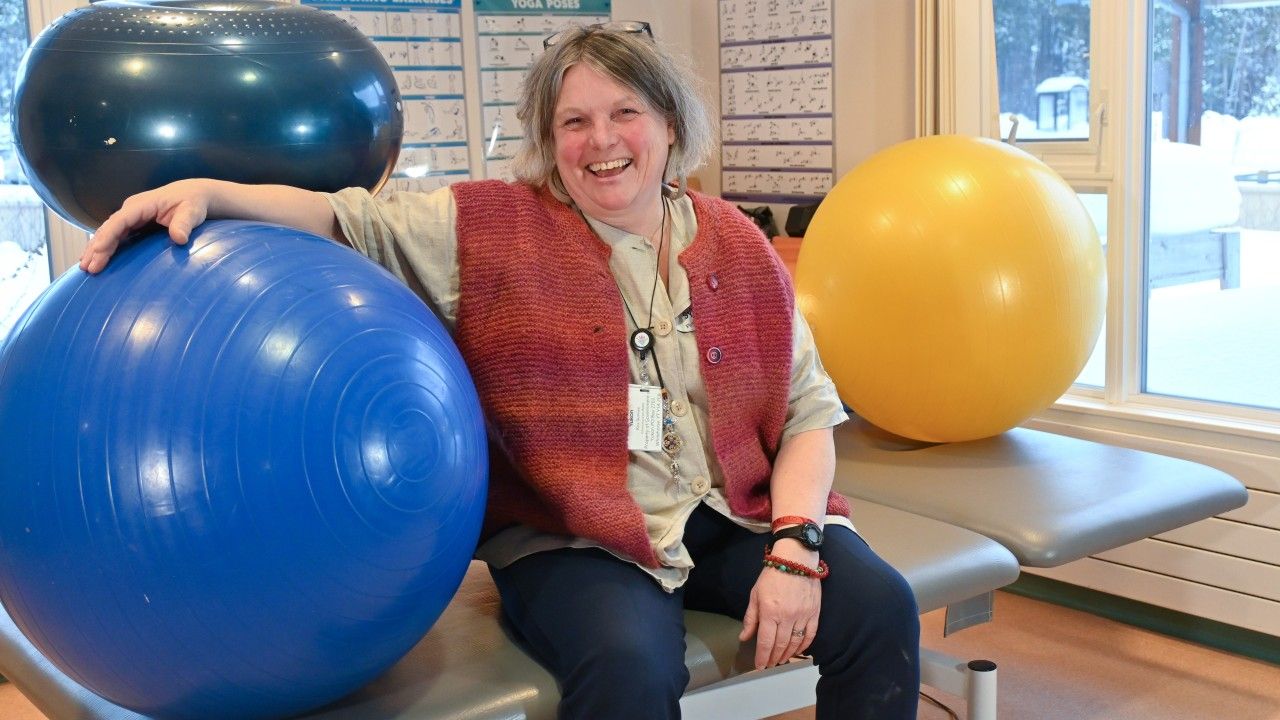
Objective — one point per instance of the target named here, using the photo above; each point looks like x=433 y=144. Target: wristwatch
x=809 y=534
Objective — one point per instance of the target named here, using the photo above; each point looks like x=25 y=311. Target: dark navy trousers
x=614 y=639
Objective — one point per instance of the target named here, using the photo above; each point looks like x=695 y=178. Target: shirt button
x=679 y=408
x=700 y=485
x=663 y=328
x=714 y=355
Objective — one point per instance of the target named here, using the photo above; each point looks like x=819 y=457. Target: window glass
x=1213 y=246
x=1042 y=61
x=24 y=247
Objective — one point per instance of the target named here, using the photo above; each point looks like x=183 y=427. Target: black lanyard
x=642 y=340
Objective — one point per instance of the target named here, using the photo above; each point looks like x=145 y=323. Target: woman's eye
x=572 y=122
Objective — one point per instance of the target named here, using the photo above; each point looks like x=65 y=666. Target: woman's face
x=611 y=149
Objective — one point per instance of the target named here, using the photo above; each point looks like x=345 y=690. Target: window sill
x=1167 y=419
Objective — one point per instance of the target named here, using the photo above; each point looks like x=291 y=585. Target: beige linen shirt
x=414 y=236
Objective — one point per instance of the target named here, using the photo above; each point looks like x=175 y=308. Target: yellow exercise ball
x=955 y=287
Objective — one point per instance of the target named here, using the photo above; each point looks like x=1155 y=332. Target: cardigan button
x=714 y=356
x=713 y=281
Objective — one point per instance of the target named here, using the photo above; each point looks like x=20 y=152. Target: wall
x=874 y=69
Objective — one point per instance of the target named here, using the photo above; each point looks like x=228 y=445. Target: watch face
x=812 y=536
x=808 y=534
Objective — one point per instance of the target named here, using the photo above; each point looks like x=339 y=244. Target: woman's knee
x=868 y=597
x=891 y=594
x=635 y=656
x=626 y=676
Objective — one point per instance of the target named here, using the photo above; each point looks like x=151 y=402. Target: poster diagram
x=509 y=36
x=776 y=100
x=422 y=42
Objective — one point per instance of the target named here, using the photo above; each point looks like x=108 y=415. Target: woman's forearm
x=802 y=475
x=281 y=204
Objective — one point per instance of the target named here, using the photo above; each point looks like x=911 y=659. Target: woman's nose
x=603 y=134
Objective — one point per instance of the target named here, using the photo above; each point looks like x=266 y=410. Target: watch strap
x=808 y=534
x=791 y=520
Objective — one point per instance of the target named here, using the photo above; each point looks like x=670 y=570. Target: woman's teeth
x=610 y=165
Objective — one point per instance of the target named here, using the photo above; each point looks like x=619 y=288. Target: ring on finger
x=797 y=632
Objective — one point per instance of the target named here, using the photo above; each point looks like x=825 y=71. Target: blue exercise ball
x=240 y=477
x=123 y=96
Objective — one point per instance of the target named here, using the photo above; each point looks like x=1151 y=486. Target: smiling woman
x=656 y=450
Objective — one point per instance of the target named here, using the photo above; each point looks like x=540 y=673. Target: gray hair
x=632 y=60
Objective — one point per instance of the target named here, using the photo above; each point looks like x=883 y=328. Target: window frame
x=1114 y=161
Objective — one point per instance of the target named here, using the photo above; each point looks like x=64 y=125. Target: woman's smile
x=609 y=168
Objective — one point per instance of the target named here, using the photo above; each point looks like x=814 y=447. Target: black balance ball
x=121 y=97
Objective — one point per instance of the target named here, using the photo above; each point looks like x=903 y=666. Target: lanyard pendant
x=672 y=442
x=642 y=340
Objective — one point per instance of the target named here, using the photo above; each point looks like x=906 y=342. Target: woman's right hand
x=182 y=205
x=179 y=206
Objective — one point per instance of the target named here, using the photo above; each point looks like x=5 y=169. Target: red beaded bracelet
x=794 y=568
x=791 y=520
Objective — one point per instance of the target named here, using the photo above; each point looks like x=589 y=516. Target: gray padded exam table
x=1025 y=497
x=1048 y=498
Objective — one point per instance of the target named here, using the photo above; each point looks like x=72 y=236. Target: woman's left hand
x=783 y=611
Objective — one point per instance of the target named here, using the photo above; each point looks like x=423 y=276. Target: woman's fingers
x=795 y=638
x=749 y=620
x=95 y=256
x=134 y=213
x=766 y=641
x=810 y=632
x=177 y=206
x=182 y=220
x=102 y=244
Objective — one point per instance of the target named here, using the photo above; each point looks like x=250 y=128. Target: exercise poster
x=422 y=42
x=776 y=100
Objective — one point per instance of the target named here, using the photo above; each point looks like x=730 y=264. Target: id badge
x=684 y=321
x=644 y=418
